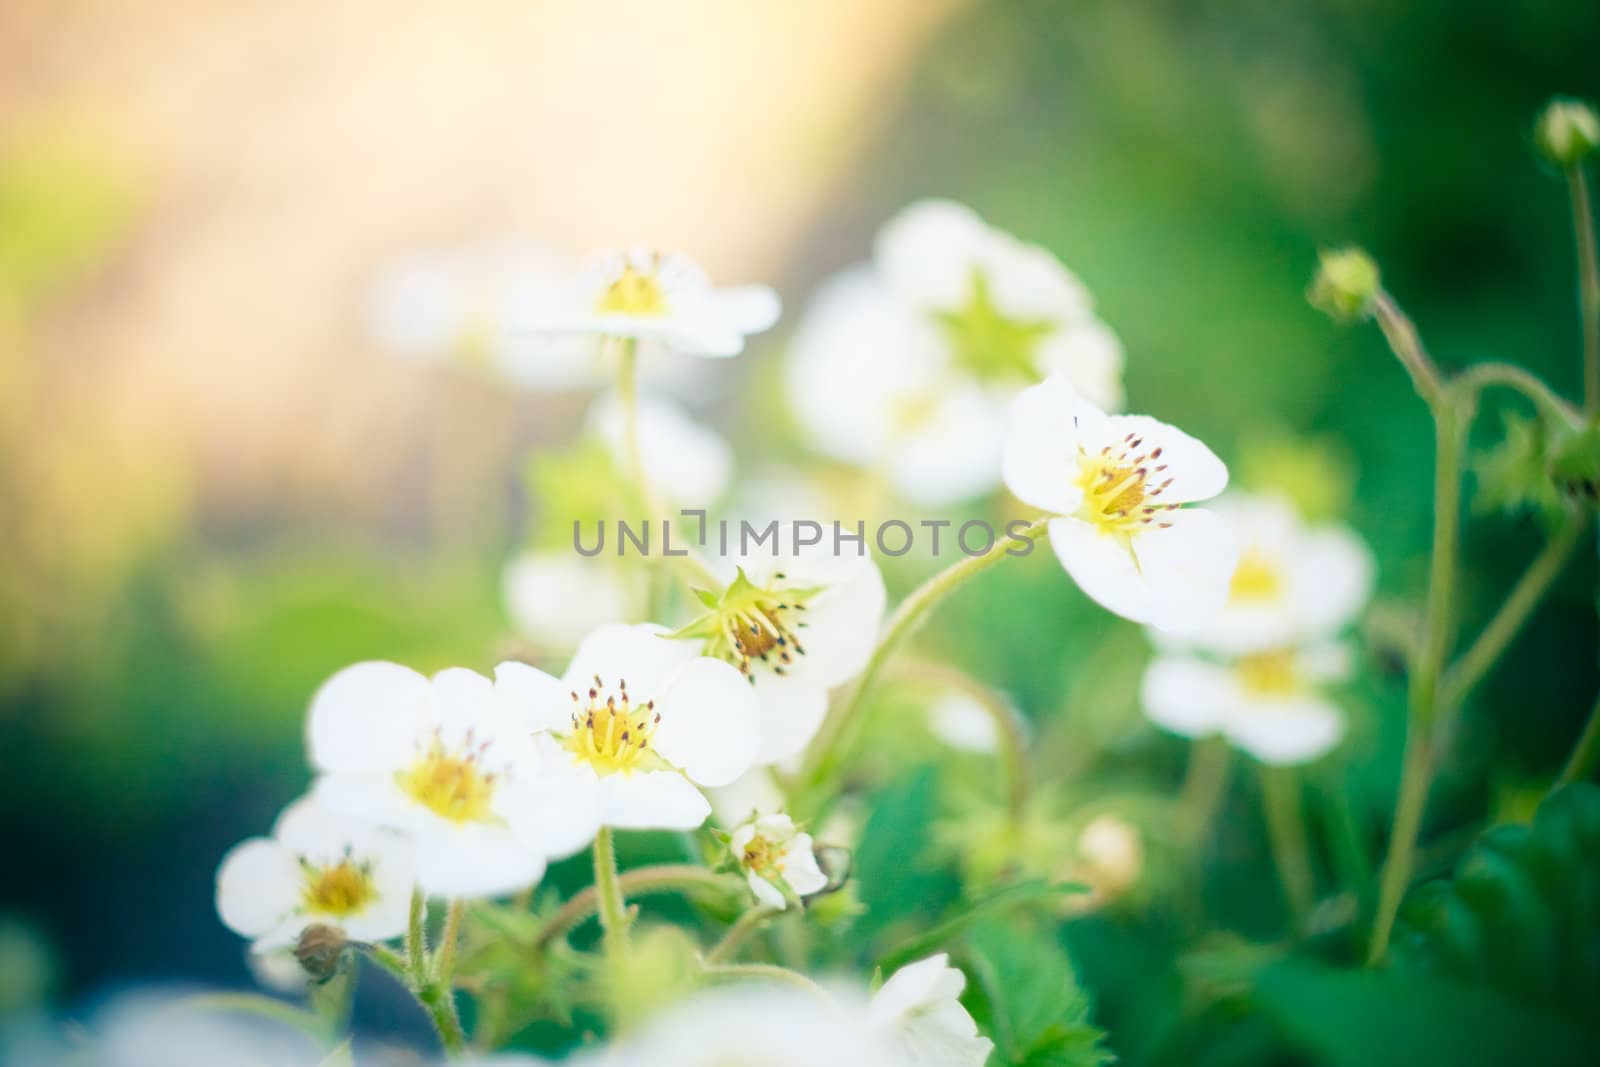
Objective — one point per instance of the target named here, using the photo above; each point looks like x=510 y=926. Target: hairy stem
x=739 y=933
x=640 y=881
x=1586 y=754
x=444 y=957
x=608 y=889
x=837 y=730
x=764 y=972
x=1480 y=376
x=1588 y=284
x=1286 y=828
x=417 y=938
x=441 y=1007
x=1406 y=344
x=1525 y=596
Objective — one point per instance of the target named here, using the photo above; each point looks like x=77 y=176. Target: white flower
x=759 y=1023
x=910 y=368
x=656 y=296
x=1269 y=703
x=1294 y=582
x=684 y=461
x=318 y=867
x=170 y=1029
x=754 y=793
x=962 y=723
x=918 y=1006
x=637 y=726
x=555 y=598
x=1117 y=484
x=452 y=763
x=777 y=860
x=796 y=620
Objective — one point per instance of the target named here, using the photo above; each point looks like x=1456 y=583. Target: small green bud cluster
x=1346 y=284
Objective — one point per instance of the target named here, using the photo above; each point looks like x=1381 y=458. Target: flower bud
x=1346 y=284
x=1567 y=132
x=319 y=949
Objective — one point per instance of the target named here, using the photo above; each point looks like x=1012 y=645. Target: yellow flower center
x=340 y=890
x=1269 y=673
x=634 y=292
x=1257 y=577
x=612 y=735
x=1119 y=491
x=752 y=623
x=452 y=784
x=762 y=856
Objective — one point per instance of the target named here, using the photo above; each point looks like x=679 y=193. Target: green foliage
x=1515 y=476
x=1522 y=914
x=1025 y=996
x=898 y=883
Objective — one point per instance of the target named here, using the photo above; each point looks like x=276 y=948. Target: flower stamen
x=611 y=733
x=451 y=783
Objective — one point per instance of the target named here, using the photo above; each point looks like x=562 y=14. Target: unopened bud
x=1346 y=284
x=1567 y=132
x=319 y=949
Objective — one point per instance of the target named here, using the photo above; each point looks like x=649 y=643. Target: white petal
x=1028 y=283
x=686 y=462
x=311 y=828
x=557 y=812
x=1041 y=465
x=475 y=860
x=366 y=718
x=748 y=308
x=657 y=800
x=753 y=793
x=790 y=709
x=1196 y=472
x=638 y=655
x=912 y=987
x=1331 y=579
x=842 y=621
x=1104 y=568
x=709 y=722
x=258 y=886
x=557 y=598
x=546 y=701
x=1286 y=732
x=766 y=892
x=953 y=451
x=471 y=714
x=960 y=722
x=1187 y=696
x=927 y=253
x=800 y=868
x=1188 y=566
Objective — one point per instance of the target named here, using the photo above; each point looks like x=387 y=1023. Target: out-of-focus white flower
x=911 y=367
x=1117 y=484
x=777 y=860
x=1271 y=704
x=961 y=722
x=448 y=760
x=555 y=598
x=318 y=867
x=1112 y=855
x=1294 y=582
x=637 y=726
x=684 y=461
x=760 y=1023
x=797 y=620
x=918 y=1008
x=169 y=1029
x=278 y=971
x=657 y=296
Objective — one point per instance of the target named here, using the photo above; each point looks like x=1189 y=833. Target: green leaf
x=897 y=879
x=1515 y=476
x=1025 y=996
x=1002 y=900
x=1522 y=915
x=1361 y=1018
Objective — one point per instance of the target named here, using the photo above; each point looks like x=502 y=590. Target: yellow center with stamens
x=340 y=890
x=1121 y=486
x=1269 y=673
x=762 y=857
x=634 y=292
x=451 y=783
x=1257 y=578
x=612 y=734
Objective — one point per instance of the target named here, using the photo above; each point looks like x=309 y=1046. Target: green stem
x=768 y=972
x=1406 y=344
x=1586 y=755
x=1204 y=784
x=1280 y=795
x=695 y=571
x=1480 y=376
x=613 y=908
x=441 y=1007
x=1588 y=284
x=739 y=933
x=389 y=960
x=1525 y=596
x=837 y=730
x=640 y=881
x=1439 y=626
x=417 y=938
x=1011 y=739
x=1415 y=774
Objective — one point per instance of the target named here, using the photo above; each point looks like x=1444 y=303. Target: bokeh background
x=216 y=489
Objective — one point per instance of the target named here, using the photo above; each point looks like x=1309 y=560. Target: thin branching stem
x=640 y=881
x=1588 y=283
x=740 y=932
x=1586 y=754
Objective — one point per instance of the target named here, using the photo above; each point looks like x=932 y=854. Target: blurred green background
x=207 y=506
